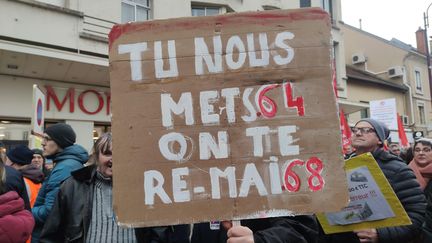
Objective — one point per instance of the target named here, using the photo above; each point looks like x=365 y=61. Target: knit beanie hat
x=40 y=152
x=62 y=134
x=381 y=129
x=20 y=155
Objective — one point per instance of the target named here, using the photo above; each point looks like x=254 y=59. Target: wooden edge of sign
x=261 y=16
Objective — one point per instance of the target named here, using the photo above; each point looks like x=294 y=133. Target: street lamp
x=426 y=25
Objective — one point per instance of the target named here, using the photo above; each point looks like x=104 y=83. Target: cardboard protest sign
x=224 y=117
x=373 y=203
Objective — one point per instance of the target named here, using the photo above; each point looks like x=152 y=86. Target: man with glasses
x=59 y=145
x=369 y=135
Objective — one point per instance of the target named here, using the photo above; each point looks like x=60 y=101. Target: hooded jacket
x=407 y=189
x=68 y=160
x=16 y=223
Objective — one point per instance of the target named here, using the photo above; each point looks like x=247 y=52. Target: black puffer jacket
x=70 y=217
x=407 y=189
x=427 y=226
x=298 y=229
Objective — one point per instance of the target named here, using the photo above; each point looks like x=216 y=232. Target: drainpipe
x=410 y=97
x=374 y=73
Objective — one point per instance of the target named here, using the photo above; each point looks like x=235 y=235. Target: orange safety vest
x=32 y=190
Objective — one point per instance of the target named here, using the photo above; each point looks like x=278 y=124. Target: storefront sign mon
x=86 y=100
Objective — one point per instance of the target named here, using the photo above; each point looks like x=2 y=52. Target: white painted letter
x=279 y=42
x=252 y=117
x=229 y=95
x=151 y=189
x=228 y=173
x=207 y=110
x=166 y=146
x=179 y=194
x=202 y=54
x=275 y=178
x=207 y=145
x=285 y=140
x=159 y=62
x=257 y=133
x=265 y=55
x=235 y=42
x=251 y=177
x=135 y=58
x=184 y=105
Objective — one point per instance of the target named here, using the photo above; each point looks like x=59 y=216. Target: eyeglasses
x=46 y=138
x=363 y=130
x=425 y=150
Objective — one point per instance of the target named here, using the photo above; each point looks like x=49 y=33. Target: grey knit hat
x=381 y=129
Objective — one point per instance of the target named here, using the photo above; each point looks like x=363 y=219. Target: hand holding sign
x=240 y=234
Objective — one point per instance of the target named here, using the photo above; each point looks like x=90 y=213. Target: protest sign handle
x=236 y=223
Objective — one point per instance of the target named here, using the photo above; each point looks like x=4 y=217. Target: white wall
x=16 y=99
x=84 y=132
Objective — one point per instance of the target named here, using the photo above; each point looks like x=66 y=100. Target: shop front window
x=98 y=130
x=12 y=134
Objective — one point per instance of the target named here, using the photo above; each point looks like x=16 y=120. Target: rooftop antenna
x=360 y=23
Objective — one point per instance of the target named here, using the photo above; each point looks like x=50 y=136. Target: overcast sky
x=388 y=18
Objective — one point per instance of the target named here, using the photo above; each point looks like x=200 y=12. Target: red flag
x=346 y=133
x=403 y=141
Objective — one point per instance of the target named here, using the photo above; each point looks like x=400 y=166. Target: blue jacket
x=70 y=159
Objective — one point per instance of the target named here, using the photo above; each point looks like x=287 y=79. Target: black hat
x=20 y=155
x=38 y=151
x=381 y=129
x=62 y=134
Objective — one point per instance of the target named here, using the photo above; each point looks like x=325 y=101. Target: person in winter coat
x=83 y=210
x=40 y=162
x=369 y=135
x=15 y=182
x=422 y=167
x=16 y=223
x=298 y=229
x=59 y=145
x=20 y=158
x=427 y=226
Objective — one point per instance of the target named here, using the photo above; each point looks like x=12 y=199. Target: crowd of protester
x=70 y=199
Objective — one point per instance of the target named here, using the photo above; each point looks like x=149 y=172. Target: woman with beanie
x=16 y=223
x=59 y=145
x=83 y=211
x=20 y=158
x=422 y=167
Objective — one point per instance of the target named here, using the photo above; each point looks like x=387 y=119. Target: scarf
x=423 y=174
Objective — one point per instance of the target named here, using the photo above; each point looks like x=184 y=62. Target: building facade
x=380 y=69
x=62 y=46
